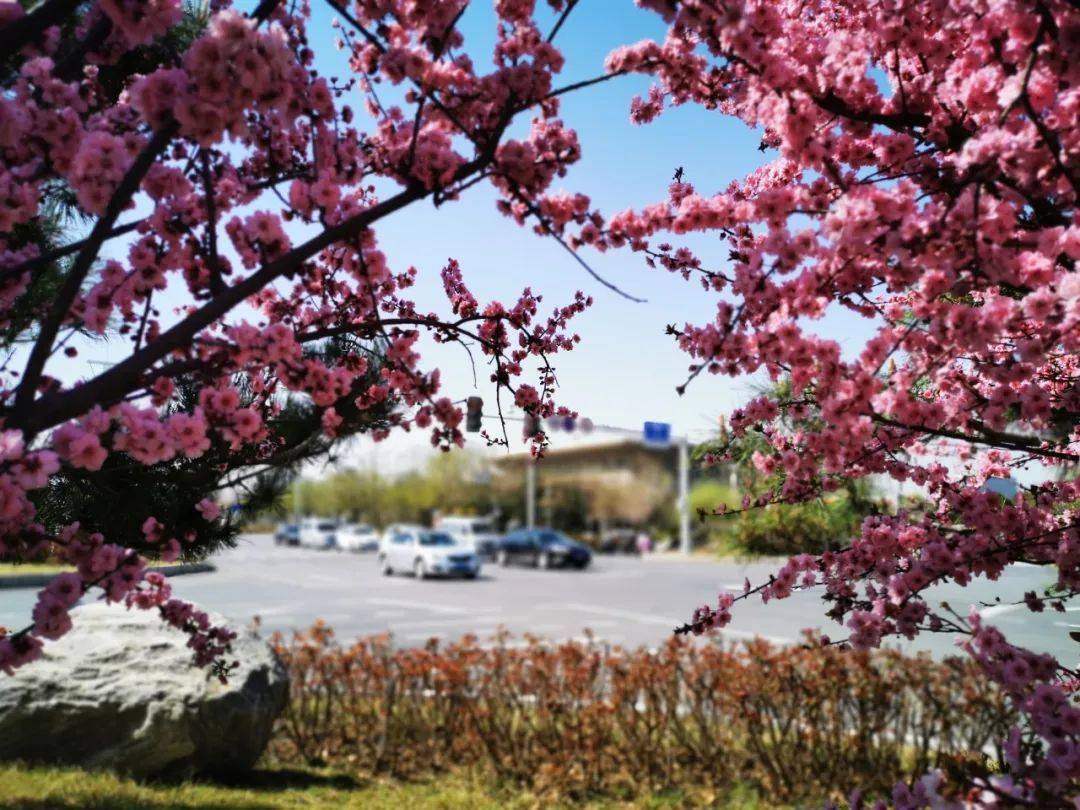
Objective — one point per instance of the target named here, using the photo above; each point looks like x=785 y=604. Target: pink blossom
x=209 y=510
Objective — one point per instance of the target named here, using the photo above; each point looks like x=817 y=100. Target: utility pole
x=684 y=494
x=530 y=493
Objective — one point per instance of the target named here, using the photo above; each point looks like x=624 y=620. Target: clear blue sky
x=625 y=371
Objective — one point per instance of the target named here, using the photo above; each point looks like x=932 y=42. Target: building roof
x=593 y=451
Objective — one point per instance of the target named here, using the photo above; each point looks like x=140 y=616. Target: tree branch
x=114 y=383
x=24 y=395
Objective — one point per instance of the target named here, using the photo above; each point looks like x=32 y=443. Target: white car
x=426 y=553
x=318 y=533
x=356 y=537
x=476 y=533
x=393 y=529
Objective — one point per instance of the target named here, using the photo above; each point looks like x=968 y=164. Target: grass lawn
x=41 y=788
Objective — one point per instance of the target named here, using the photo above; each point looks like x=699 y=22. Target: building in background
x=595 y=486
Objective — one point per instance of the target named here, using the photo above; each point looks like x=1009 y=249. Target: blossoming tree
x=925 y=178
x=188 y=163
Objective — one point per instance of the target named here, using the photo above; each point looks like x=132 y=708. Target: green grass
x=40 y=788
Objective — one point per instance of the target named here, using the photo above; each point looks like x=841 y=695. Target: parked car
x=544 y=548
x=476 y=533
x=318 y=533
x=357 y=537
x=426 y=553
x=394 y=528
x=287 y=534
x=618 y=541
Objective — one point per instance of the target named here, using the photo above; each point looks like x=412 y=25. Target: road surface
x=624 y=600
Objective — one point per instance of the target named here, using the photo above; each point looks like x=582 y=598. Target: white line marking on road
x=277 y=610
x=390 y=614
x=445 y=609
x=1066 y=624
x=644 y=618
x=466 y=620
x=998 y=610
x=615 y=613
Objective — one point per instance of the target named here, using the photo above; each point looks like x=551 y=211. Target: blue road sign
x=657 y=432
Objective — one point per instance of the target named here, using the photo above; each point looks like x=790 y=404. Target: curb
x=38 y=580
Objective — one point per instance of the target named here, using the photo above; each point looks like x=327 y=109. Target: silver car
x=426 y=553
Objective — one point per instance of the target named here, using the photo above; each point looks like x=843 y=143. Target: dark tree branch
x=25 y=30
x=35 y=365
x=111 y=385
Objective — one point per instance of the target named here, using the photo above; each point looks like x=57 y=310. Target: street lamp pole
x=684 y=494
x=530 y=493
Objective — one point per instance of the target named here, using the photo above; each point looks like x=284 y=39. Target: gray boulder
x=119 y=691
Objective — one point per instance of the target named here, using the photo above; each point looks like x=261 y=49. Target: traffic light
x=474 y=412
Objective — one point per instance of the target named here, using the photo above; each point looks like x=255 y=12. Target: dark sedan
x=544 y=548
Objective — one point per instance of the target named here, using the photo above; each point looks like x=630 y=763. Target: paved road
x=626 y=601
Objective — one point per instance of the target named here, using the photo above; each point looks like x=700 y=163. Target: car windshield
x=326 y=527
x=554 y=537
x=481 y=528
x=436 y=539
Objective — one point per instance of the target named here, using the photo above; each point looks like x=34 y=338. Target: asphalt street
x=623 y=600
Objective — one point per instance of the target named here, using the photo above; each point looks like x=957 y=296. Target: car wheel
x=386 y=568
x=543 y=560
x=471 y=575
x=502 y=557
x=419 y=569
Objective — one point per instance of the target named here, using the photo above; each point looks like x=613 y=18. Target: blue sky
x=625 y=371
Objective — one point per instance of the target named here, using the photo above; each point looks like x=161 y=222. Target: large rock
x=119 y=691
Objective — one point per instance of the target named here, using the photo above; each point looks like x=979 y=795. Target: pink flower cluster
x=194 y=176
x=141 y=21
x=954 y=240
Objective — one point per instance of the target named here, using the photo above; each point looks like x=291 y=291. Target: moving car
x=426 y=553
x=287 y=534
x=544 y=548
x=357 y=537
x=318 y=533
x=476 y=533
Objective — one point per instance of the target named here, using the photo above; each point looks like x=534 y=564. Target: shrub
x=575 y=720
x=799 y=528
